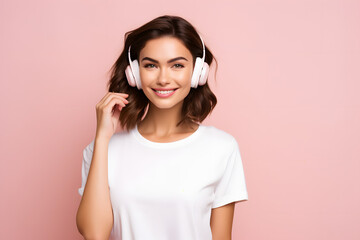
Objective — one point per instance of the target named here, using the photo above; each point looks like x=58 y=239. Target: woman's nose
x=163 y=76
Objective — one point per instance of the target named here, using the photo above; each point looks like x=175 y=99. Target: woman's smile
x=164 y=93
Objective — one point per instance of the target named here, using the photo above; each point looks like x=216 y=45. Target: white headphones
x=199 y=76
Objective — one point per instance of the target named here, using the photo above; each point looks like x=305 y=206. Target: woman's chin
x=163 y=104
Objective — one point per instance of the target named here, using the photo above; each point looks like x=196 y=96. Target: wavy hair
x=200 y=101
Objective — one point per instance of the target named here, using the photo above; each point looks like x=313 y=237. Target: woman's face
x=165 y=64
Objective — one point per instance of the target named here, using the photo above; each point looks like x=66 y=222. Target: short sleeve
x=232 y=185
x=87 y=156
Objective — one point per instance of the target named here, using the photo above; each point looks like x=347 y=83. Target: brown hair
x=200 y=101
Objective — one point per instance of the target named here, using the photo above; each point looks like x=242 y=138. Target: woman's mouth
x=164 y=94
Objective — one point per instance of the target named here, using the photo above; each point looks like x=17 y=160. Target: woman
x=167 y=176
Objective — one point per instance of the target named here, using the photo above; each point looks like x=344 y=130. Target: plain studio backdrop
x=287 y=88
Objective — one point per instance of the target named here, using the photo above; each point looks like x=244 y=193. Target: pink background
x=287 y=87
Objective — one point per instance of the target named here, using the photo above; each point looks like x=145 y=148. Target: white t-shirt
x=163 y=191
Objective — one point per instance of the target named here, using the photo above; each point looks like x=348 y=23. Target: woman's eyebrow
x=170 y=61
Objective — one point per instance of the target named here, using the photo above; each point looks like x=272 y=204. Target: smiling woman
x=167 y=49
x=167 y=176
x=165 y=80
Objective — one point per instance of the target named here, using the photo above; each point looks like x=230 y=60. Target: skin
x=221 y=221
x=159 y=124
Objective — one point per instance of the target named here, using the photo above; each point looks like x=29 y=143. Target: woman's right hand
x=108 y=113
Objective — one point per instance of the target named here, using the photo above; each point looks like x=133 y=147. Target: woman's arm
x=94 y=218
x=221 y=221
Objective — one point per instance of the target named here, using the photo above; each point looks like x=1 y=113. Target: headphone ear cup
x=204 y=74
x=196 y=73
x=136 y=72
x=130 y=76
x=133 y=77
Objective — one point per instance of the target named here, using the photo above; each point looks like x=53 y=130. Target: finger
x=100 y=103
x=117 y=106
x=122 y=94
x=110 y=105
x=114 y=96
x=108 y=95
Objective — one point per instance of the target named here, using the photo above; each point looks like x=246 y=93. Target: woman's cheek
x=182 y=75
x=148 y=76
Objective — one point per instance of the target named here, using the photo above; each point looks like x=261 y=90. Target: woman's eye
x=179 y=65
x=149 y=65
x=152 y=65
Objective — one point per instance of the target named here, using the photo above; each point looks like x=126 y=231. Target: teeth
x=165 y=92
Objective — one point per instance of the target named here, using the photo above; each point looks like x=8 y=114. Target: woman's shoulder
x=118 y=136
x=218 y=134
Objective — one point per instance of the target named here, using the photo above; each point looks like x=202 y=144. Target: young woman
x=167 y=177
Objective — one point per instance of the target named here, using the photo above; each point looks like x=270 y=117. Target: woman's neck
x=162 y=122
